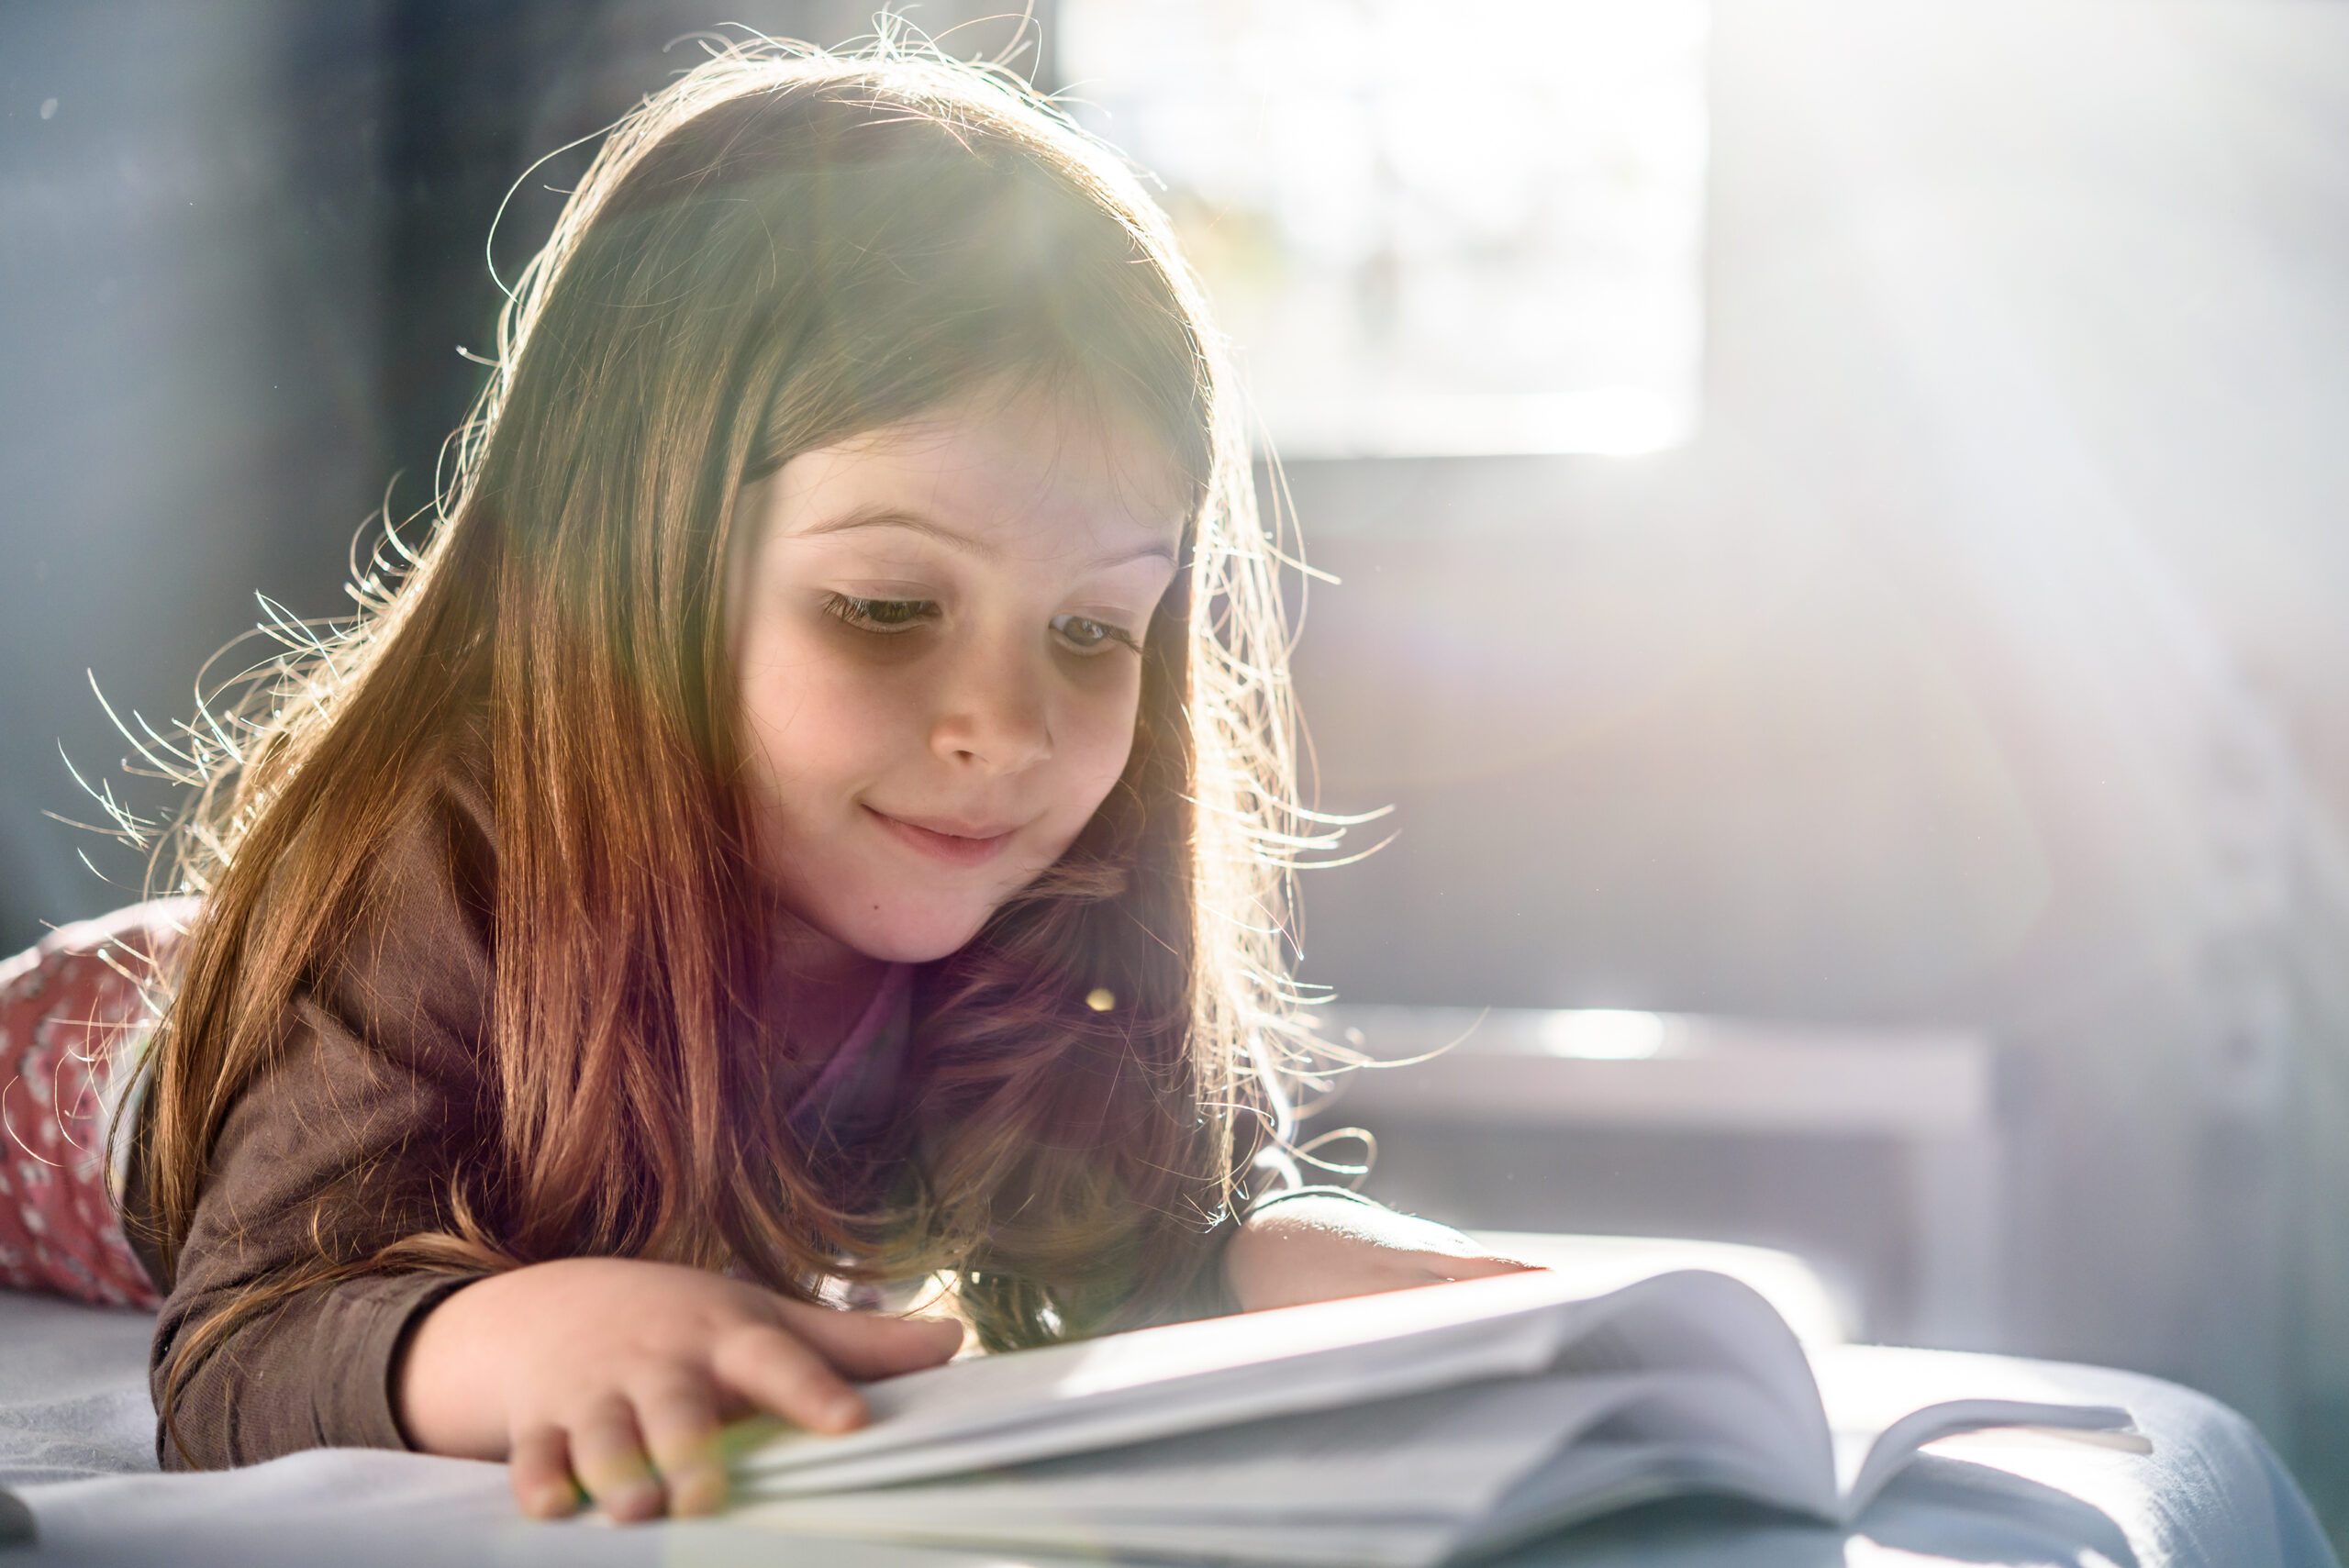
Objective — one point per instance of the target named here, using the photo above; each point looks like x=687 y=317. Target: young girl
x=815 y=816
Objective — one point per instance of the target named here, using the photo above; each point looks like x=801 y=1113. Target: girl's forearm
x=1342 y=1209
x=1319 y=1245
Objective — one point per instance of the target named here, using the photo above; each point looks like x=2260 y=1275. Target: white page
x=1600 y=1476
x=1487 y=1320
x=1585 y=1481
x=1386 y=1542
x=1724 y=1421
x=912 y=1453
x=1594 y=1481
x=1866 y=1458
x=1757 y=1429
x=1689 y=1432
x=1421 y=1475
x=1761 y=1413
x=1150 y=1383
x=1881 y=1416
x=1452 y=1453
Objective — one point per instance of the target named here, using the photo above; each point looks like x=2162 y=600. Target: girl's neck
x=824 y=984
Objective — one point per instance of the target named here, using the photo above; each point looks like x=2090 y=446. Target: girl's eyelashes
x=885 y=617
x=1100 y=634
x=894 y=618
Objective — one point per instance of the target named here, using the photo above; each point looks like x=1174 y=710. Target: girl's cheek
x=1109 y=740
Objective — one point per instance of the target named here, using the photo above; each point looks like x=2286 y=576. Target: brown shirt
x=380 y=1087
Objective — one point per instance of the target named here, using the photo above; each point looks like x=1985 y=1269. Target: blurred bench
x=1931 y=1093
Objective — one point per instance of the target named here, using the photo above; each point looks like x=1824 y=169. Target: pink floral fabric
x=71 y=1007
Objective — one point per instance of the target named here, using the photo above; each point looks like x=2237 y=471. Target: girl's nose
x=995 y=714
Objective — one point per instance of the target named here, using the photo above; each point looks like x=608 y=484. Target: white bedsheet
x=77 y=1444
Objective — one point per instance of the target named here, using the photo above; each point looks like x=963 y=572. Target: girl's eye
x=1090 y=635
x=891 y=617
x=883 y=618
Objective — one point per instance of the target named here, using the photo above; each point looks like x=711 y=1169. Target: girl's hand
x=1322 y=1246
x=620 y=1373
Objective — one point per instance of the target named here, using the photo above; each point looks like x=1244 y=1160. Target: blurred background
x=1836 y=512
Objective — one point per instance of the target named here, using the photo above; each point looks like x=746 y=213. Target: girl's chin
x=908 y=941
x=872 y=928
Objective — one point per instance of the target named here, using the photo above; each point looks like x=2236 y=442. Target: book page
x=1152 y=1383
x=1450 y=1454
x=1696 y=1320
x=1866 y=1458
x=1599 y=1475
x=1386 y=1542
x=1159 y=1381
x=1881 y=1418
x=1393 y=1484
x=1424 y=1472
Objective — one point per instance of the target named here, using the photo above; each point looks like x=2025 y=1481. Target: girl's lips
x=944 y=846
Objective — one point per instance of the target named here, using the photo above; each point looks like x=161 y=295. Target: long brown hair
x=782 y=249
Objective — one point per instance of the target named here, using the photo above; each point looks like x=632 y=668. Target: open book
x=1415 y=1427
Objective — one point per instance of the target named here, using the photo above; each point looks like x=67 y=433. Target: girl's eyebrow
x=883 y=516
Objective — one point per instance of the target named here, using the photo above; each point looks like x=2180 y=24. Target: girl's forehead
x=998 y=467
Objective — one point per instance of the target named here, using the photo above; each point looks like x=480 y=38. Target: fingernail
x=553 y=1501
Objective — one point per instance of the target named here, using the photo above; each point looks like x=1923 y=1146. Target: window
x=1412 y=256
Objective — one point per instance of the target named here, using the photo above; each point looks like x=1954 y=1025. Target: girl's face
x=937 y=626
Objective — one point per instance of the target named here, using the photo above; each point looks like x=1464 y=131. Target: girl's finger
x=678 y=1414
x=777 y=1372
x=608 y=1453
x=1480 y=1266
x=873 y=1344
x=539 y=1470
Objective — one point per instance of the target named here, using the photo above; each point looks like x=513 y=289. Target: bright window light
x=1605 y=1034
x=1414 y=258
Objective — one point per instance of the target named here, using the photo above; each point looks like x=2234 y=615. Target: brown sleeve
x=377 y=1091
